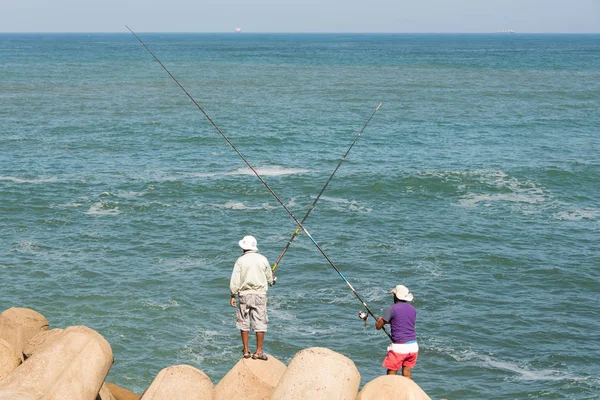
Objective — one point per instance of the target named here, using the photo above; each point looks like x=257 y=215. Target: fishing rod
x=314 y=203
x=262 y=181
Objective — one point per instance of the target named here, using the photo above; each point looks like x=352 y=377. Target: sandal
x=247 y=354
x=261 y=356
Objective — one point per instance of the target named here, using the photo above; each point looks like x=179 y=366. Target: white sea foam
x=99 y=209
x=158 y=203
x=129 y=194
x=531 y=375
x=238 y=205
x=274 y=170
x=513 y=189
x=345 y=204
x=200 y=175
x=577 y=214
x=163 y=306
x=27 y=247
x=335 y=200
x=21 y=180
x=523 y=373
x=69 y=205
x=472 y=200
x=282 y=315
x=429 y=269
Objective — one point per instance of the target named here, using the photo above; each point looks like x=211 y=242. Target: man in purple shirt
x=401 y=316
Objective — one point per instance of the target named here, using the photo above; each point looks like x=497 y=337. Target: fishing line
x=262 y=181
x=314 y=203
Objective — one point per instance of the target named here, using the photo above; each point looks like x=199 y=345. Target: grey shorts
x=252 y=307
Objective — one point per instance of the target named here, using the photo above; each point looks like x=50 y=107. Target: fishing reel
x=364 y=316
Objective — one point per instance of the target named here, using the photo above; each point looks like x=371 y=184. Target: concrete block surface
x=392 y=387
x=180 y=382
x=18 y=325
x=73 y=367
x=9 y=359
x=318 y=373
x=250 y=380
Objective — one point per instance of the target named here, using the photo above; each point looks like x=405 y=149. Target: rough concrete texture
x=18 y=325
x=73 y=367
x=40 y=341
x=105 y=393
x=122 y=394
x=318 y=373
x=180 y=382
x=9 y=360
x=250 y=380
x=392 y=387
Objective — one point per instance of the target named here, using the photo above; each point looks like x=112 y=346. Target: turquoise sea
x=476 y=185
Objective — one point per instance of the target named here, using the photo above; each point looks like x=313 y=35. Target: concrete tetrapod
x=392 y=387
x=18 y=325
x=9 y=360
x=40 y=341
x=318 y=373
x=250 y=380
x=180 y=382
x=105 y=393
x=72 y=367
x=108 y=391
x=122 y=394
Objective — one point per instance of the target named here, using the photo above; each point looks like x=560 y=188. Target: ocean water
x=476 y=185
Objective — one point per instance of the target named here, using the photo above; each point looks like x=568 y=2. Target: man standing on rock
x=249 y=281
x=401 y=316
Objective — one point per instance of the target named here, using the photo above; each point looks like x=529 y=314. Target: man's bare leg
x=392 y=372
x=406 y=372
x=260 y=338
x=245 y=341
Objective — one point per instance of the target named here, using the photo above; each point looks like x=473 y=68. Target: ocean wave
x=101 y=209
x=274 y=170
x=31 y=180
x=577 y=214
x=238 y=205
x=351 y=205
x=129 y=194
x=200 y=175
x=162 y=306
x=472 y=199
x=522 y=372
x=26 y=247
x=530 y=374
x=498 y=186
x=69 y=205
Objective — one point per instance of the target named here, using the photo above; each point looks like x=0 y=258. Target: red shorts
x=395 y=361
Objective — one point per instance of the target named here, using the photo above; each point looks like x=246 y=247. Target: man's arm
x=385 y=319
x=269 y=273
x=234 y=283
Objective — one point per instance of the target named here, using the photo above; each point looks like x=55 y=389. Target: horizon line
x=309 y=33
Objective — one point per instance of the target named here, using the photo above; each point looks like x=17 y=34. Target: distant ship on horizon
x=238 y=29
x=506 y=31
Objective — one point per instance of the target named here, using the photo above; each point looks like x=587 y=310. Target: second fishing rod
x=314 y=203
x=262 y=181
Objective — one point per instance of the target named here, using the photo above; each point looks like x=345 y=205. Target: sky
x=314 y=16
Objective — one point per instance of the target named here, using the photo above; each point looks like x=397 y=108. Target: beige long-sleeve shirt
x=251 y=273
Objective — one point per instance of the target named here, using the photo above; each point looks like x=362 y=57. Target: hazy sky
x=543 y=16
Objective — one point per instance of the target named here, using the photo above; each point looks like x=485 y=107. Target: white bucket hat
x=248 y=243
x=402 y=293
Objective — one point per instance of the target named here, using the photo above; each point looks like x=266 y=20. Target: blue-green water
x=476 y=185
